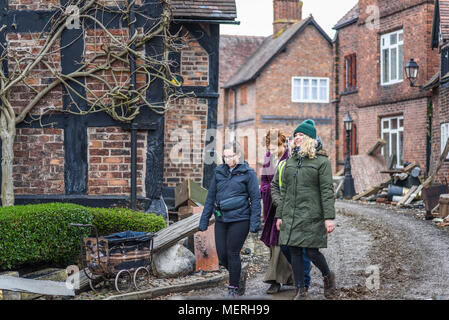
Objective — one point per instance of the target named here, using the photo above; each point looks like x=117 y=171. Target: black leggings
x=229 y=240
x=314 y=255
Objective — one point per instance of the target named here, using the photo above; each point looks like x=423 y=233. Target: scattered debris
x=403 y=186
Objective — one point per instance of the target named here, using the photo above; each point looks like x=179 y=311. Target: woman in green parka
x=306 y=214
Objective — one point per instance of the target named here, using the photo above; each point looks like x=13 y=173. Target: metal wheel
x=123 y=281
x=141 y=278
x=95 y=284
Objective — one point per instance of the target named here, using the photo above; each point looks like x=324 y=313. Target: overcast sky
x=256 y=16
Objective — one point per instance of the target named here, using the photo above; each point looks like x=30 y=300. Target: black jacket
x=241 y=182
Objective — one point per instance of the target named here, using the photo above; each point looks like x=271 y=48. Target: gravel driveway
x=377 y=252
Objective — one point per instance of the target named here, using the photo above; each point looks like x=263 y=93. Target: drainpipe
x=336 y=100
x=429 y=134
x=235 y=115
x=132 y=66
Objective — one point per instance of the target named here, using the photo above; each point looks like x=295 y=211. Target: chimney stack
x=286 y=12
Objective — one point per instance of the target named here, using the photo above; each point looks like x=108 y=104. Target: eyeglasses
x=229 y=157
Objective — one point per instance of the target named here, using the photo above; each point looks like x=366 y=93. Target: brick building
x=285 y=81
x=373 y=43
x=439 y=87
x=234 y=51
x=87 y=159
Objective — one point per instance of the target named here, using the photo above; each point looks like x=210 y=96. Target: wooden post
x=205 y=250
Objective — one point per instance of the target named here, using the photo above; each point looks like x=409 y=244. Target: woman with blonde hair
x=306 y=213
x=279 y=271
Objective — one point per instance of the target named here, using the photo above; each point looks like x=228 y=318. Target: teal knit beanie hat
x=307 y=127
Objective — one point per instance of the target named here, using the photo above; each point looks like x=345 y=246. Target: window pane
x=401 y=37
x=296 y=89
x=306 y=88
x=394 y=73
x=386 y=64
x=394 y=123
x=314 y=90
x=401 y=62
x=394 y=145
x=393 y=39
x=386 y=124
x=347 y=74
x=386 y=148
x=401 y=147
x=323 y=90
x=401 y=123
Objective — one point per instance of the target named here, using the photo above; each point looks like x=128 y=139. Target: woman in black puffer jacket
x=234 y=198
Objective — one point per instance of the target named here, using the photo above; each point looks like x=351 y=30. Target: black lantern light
x=411 y=70
x=348 y=186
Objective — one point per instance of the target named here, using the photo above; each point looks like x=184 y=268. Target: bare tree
x=121 y=100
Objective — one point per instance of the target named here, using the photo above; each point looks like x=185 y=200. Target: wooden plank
x=340 y=185
x=177 y=231
x=414 y=194
x=366 y=171
x=197 y=194
x=190 y=191
x=375 y=149
x=181 y=193
x=6 y=294
x=45 y=287
x=204 y=247
x=372 y=190
x=430 y=179
x=410 y=167
x=407 y=196
x=205 y=250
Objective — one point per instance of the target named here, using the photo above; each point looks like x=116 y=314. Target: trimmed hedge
x=111 y=220
x=41 y=233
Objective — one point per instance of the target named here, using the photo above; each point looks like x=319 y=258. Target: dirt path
x=376 y=253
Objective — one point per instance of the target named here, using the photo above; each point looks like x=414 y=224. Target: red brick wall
x=109 y=159
x=53 y=4
x=33 y=4
x=194 y=64
x=307 y=55
x=440 y=115
x=39 y=78
x=118 y=77
x=372 y=100
x=39 y=161
x=185 y=126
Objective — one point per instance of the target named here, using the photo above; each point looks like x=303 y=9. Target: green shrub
x=40 y=233
x=111 y=220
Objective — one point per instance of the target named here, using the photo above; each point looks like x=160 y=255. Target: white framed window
x=444 y=136
x=392 y=131
x=310 y=89
x=392 y=57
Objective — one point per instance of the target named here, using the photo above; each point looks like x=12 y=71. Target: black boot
x=274 y=288
x=232 y=292
x=242 y=283
x=329 y=285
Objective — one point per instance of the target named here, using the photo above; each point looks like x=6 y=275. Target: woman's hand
x=278 y=224
x=330 y=225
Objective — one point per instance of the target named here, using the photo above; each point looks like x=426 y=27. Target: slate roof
x=268 y=50
x=350 y=17
x=205 y=9
x=234 y=50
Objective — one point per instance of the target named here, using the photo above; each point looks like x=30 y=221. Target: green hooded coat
x=307 y=200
